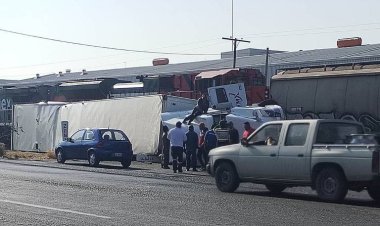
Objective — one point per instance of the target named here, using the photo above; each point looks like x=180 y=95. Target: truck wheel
x=93 y=160
x=60 y=156
x=331 y=185
x=275 y=188
x=226 y=177
x=374 y=191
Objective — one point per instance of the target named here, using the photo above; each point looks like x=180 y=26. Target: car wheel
x=331 y=185
x=275 y=188
x=126 y=163
x=60 y=156
x=226 y=177
x=374 y=191
x=93 y=159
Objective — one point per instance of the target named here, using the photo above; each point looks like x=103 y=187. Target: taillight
x=375 y=161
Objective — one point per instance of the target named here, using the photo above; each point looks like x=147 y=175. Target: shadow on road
x=310 y=197
x=101 y=166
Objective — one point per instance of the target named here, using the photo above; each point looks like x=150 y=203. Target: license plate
x=118 y=154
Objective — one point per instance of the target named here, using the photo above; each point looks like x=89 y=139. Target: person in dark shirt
x=201 y=108
x=166 y=147
x=234 y=134
x=211 y=141
x=191 y=145
x=203 y=103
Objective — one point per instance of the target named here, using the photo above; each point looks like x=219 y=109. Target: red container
x=349 y=42
x=160 y=61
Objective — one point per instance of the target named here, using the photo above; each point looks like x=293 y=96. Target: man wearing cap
x=248 y=130
x=177 y=139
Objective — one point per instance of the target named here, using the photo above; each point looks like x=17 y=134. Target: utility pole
x=235 y=41
x=267 y=89
x=266 y=68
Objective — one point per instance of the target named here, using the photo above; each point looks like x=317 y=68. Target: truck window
x=336 y=132
x=221 y=95
x=268 y=135
x=296 y=135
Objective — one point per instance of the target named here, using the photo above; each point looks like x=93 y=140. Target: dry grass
x=29 y=155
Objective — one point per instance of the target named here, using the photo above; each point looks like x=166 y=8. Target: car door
x=258 y=160
x=293 y=157
x=74 y=145
x=89 y=141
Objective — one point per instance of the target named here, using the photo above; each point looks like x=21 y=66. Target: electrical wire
x=107 y=47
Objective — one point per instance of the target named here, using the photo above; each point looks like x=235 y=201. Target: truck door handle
x=272 y=155
x=300 y=155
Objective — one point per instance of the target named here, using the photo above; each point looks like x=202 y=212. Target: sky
x=176 y=26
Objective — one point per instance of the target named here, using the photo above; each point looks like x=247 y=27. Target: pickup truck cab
x=317 y=153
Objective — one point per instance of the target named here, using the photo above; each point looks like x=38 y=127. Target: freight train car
x=345 y=92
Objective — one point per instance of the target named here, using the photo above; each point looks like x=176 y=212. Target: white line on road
x=52 y=208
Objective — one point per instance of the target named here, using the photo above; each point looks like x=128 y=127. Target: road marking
x=52 y=208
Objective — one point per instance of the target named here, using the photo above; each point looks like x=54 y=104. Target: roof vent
x=68 y=70
x=84 y=72
x=37 y=76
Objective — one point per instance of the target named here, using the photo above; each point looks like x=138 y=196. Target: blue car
x=96 y=145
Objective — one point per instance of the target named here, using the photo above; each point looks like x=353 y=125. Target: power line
x=107 y=47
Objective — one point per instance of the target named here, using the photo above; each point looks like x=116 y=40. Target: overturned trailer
x=346 y=92
x=38 y=127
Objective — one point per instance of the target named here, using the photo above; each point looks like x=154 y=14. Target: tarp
x=139 y=117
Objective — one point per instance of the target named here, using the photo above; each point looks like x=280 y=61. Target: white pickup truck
x=322 y=154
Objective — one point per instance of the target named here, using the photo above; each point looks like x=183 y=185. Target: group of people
x=196 y=147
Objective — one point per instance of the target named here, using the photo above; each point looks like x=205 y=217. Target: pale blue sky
x=192 y=26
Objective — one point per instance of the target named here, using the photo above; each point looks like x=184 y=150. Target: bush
x=50 y=154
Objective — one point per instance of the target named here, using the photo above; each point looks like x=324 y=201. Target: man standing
x=177 y=139
x=191 y=149
x=201 y=147
x=234 y=134
x=248 y=130
x=211 y=141
x=166 y=147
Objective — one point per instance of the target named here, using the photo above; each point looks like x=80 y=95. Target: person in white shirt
x=177 y=138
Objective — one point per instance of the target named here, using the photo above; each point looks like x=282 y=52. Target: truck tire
x=226 y=177
x=374 y=191
x=331 y=185
x=275 y=188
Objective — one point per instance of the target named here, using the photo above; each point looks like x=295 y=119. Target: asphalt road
x=74 y=194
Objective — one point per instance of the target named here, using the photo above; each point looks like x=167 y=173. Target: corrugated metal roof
x=366 y=53
x=343 y=73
